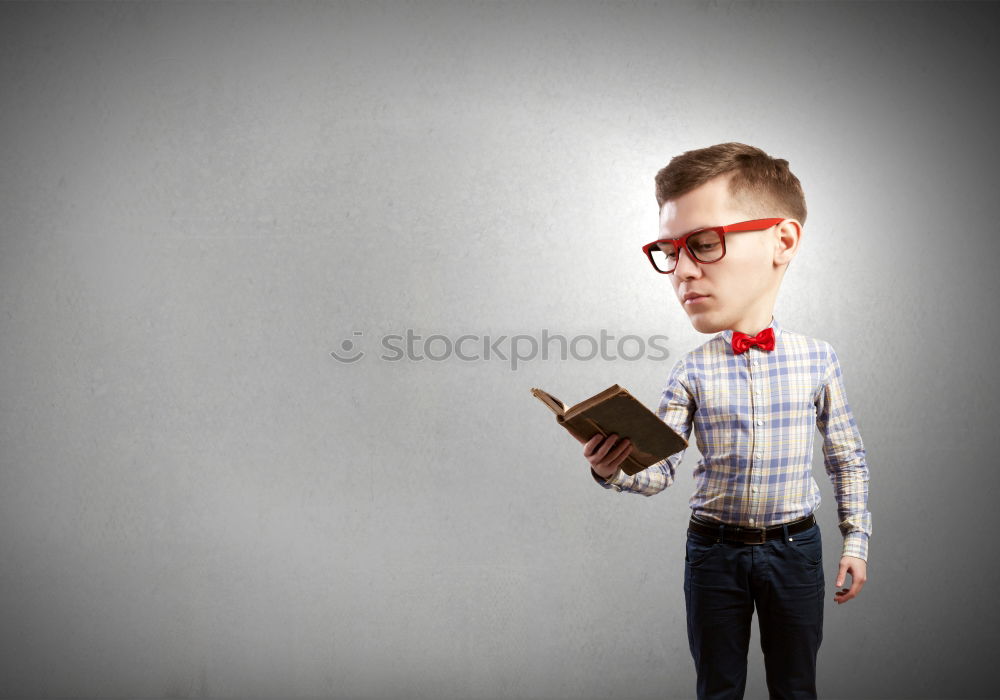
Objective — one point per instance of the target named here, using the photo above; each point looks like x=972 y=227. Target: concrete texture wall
x=203 y=206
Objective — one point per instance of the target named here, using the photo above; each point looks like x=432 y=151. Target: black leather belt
x=749 y=535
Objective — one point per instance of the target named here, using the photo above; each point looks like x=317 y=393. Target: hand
x=606 y=454
x=858 y=569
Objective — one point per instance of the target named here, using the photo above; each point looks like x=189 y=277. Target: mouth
x=692 y=298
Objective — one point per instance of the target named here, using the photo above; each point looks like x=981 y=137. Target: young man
x=731 y=219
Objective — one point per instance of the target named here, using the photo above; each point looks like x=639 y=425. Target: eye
x=665 y=250
x=707 y=246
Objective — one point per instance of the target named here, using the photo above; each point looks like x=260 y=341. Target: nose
x=687 y=267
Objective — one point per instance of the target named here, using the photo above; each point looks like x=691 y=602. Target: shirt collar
x=727 y=335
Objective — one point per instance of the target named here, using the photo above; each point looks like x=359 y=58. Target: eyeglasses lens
x=705 y=247
x=664 y=260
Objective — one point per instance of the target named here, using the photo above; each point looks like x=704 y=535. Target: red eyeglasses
x=706 y=245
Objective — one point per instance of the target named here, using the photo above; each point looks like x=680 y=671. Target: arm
x=676 y=410
x=844 y=460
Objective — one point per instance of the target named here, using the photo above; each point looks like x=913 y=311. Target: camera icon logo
x=347 y=346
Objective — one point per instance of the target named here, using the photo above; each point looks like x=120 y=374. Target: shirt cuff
x=856 y=545
x=613 y=482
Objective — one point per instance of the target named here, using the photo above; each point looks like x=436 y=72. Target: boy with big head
x=731 y=220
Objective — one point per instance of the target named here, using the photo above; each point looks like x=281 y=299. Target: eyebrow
x=698 y=228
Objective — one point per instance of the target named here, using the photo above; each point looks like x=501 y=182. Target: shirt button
x=756 y=363
x=760 y=422
x=755 y=489
x=751 y=521
x=758 y=455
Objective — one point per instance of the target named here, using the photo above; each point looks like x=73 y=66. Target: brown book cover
x=616 y=411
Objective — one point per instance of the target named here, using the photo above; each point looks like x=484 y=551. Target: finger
x=605 y=447
x=588 y=449
x=621 y=453
x=841 y=574
x=622 y=448
x=844 y=595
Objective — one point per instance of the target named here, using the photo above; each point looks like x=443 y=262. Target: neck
x=753 y=326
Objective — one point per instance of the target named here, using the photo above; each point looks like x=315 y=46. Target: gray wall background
x=200 y=202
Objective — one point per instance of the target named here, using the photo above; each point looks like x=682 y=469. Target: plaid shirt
x=755 y=416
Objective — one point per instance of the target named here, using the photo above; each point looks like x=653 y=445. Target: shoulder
x=802 y=345
x=711 y=350
x=709 y=353
x=706 y=359
x=805 y=351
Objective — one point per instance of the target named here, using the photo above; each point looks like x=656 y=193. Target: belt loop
x=785 y=528
x=722 y=530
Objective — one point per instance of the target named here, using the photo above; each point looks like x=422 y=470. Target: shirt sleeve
x=676 y=410
x=845 y=460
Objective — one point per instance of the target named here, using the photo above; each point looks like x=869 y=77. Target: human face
x=737 y=292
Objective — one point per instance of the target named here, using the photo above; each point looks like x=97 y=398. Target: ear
x=786 y=241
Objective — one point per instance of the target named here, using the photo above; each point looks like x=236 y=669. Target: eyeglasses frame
x=682 y=242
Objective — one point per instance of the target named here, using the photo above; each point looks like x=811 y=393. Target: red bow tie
x=742 y=342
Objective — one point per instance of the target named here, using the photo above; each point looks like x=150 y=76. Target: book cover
x=616 y=411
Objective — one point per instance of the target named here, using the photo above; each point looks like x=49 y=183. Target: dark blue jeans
x=724 y=582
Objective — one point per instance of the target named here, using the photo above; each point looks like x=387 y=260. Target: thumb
x=841 y=574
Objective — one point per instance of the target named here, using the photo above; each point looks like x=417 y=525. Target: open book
x=616 y=411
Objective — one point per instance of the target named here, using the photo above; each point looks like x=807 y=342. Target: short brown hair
x=761 y=184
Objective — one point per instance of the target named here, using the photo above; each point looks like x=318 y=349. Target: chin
x=704 y=324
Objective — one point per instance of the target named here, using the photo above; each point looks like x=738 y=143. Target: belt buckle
x=762 y=532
